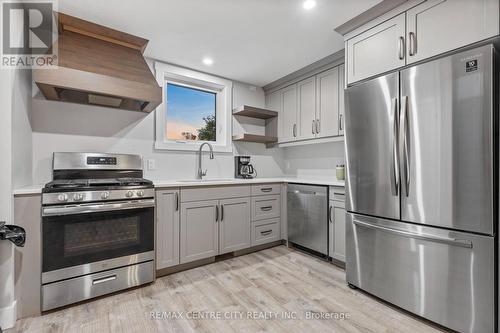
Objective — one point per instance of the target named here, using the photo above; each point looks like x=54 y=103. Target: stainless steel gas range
x=97 y=227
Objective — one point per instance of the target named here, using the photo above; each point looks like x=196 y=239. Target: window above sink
x=196 y=108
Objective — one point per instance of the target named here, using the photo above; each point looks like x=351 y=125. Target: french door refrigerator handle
x=395 y=154
x=406 y=155
x=435 y=239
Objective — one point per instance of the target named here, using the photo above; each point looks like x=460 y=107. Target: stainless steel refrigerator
x=421 y=190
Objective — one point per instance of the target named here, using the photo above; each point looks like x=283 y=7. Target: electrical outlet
x=151 y=164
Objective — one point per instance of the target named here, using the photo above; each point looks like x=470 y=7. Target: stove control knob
x=104 y=195
x=140 y=193
x=62 y=197
x=129 y=194
x=78 y=196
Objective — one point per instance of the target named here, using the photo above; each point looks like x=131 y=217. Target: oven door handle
x=93 y=208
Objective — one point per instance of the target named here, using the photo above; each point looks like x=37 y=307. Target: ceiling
x=253 y=41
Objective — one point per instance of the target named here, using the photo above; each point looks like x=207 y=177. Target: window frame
x=222 y=88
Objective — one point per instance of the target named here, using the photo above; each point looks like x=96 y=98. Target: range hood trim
x=96 y=60
x=68 y=78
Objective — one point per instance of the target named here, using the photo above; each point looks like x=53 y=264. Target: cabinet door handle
x=413 y=44
x=313 y=127
x=265 y=233
x=216 y=213
x=294 y=130
x=221 y=213
x=402 y=48
x=266 y=208
x=266 y=189
x=318 y=126
x=330 y=214
x=176 y=201
x=341 y=126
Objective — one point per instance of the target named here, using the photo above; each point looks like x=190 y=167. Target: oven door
x=88 y=238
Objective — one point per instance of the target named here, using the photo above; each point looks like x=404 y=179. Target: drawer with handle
x=266 y=207
x=337 y=193
x=266 y=189
x=266 y=231
x=77 y=289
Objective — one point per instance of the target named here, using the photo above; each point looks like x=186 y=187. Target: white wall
x=59 y=126
x=314 y=161
x=22 y=138
x=14 y=134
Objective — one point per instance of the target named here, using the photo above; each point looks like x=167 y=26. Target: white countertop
x=286 y=179
x=30 y=189
x=37 y=189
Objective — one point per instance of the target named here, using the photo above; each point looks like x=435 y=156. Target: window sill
x=181 y=146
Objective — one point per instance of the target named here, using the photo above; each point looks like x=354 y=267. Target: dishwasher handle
x=309 y=193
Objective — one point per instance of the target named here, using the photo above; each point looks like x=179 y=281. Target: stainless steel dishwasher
x=307 y=209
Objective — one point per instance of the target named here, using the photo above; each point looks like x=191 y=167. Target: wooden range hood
x=99 y=66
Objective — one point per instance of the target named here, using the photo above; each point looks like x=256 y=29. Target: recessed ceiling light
x=309 y=4
x=208 y=61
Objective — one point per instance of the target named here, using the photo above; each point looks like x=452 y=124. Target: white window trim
x=166 y=73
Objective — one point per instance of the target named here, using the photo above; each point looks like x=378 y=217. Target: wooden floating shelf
x=255 y=138
x=253 y=112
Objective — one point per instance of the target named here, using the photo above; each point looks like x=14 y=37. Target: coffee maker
x=243 y=168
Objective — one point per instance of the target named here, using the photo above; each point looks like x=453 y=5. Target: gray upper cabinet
x=167 y=228
x=327 y=111
x=377 y=50
x=273 y=102
x=419 y=30
x=199 y=230
x=234 y=225
x=307 y=109
x=341 y=99
x=311 y=108
x=289 y=111
x=429 y=33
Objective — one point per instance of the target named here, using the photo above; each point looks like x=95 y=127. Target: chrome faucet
x=202 y=173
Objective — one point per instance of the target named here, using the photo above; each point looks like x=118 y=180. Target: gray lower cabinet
x=190 y=229
x=265 y=231
x=336 y=210
x=234 y=225
x=199 y=234
x=338 y=220
x=167 y=228
x=28 y=263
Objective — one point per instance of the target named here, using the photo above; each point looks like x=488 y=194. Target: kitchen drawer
x=266 y=189
x=266 y=207
x=337 y=193
x=202 y=193
x=265 y=231
x=74 y=290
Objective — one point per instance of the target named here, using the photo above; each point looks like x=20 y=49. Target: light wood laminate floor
x=275 y=283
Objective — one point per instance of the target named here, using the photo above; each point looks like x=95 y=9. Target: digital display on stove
x=101 y=160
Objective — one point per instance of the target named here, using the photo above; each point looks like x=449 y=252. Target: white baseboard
x=8 y=316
